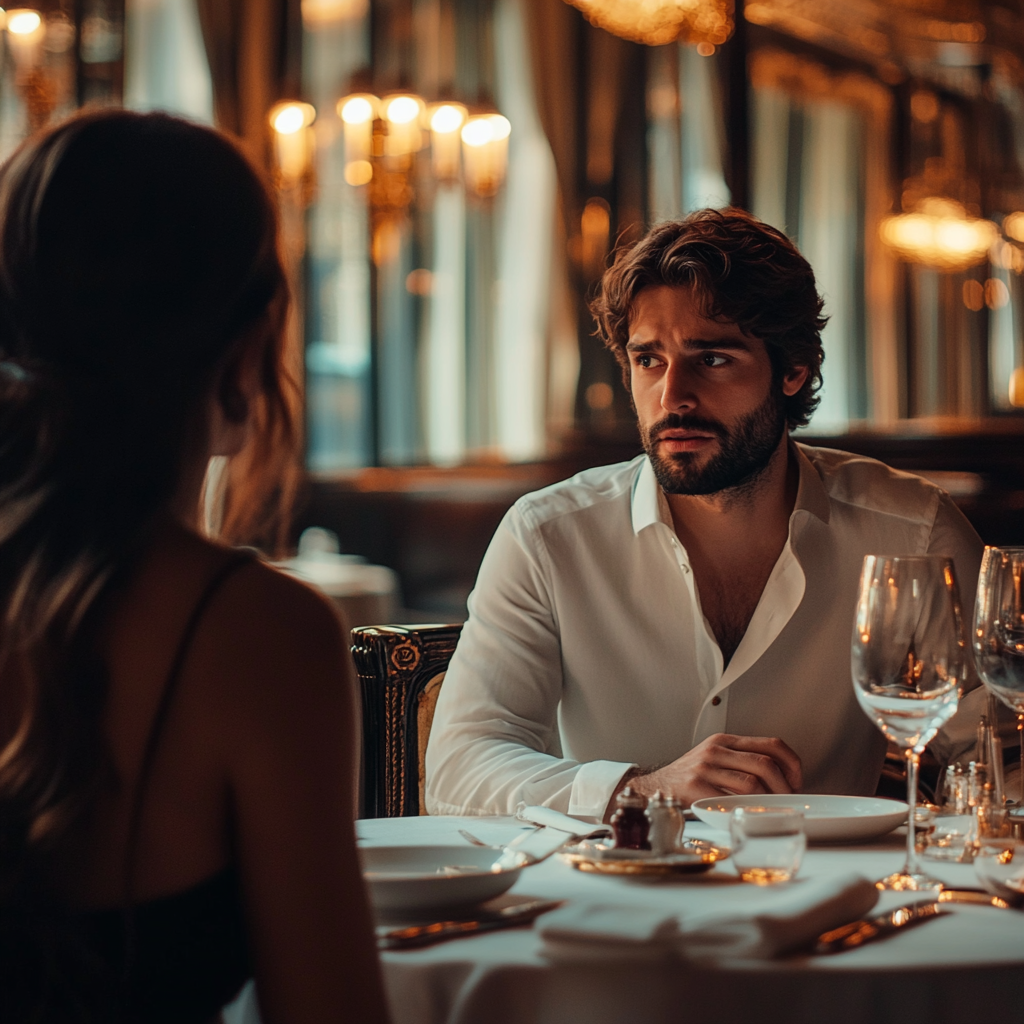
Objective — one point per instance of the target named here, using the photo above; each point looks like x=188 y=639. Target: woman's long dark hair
x=138 y=261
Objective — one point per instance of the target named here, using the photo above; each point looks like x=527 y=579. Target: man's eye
x=645 y=361
x=712 y=360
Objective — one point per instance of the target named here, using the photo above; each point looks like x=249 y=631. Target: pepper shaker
x=629 y=822
x=667 y=823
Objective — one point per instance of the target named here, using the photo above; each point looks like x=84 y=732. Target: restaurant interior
x=442 y=265
x=453 y=178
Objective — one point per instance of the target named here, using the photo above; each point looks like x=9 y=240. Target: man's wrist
x=640 y=780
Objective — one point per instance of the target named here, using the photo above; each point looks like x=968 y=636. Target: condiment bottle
x=667 y=823
x=629 y=822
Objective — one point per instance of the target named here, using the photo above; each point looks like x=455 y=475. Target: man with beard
x=682 y=622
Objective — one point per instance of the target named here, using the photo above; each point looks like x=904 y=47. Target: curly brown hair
x=741 y=270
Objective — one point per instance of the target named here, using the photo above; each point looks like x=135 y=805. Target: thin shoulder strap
x=163 y=709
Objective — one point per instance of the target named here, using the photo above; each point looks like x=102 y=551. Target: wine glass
x=908 y=658
x=999 y=635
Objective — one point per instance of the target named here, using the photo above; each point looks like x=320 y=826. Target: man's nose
x=678 y=392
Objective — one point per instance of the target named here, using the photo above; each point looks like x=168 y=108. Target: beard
x=744 y=451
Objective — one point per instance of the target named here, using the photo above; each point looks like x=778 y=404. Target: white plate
x=827 y=819
x=417 y=879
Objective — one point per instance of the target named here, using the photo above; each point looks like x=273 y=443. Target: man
x=682 y=622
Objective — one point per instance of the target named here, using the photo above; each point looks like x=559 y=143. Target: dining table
x=965 y=966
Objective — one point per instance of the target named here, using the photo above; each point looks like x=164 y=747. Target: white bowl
x=423 y=879
x=827 y=819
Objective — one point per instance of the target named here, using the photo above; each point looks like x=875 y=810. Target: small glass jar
x=667 y=823
x=629 y=822
x=768 y=843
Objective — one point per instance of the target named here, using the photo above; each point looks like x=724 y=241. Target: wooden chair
x=401 y=669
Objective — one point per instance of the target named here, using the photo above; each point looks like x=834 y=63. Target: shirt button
x=715 y=701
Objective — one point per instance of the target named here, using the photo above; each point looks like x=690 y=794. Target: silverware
x=857 y=933
x=426 y=934
x=978 y=897
x=470 y=838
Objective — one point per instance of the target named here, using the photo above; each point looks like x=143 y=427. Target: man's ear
x=794 y=380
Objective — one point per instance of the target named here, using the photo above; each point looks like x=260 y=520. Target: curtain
x=254 y=50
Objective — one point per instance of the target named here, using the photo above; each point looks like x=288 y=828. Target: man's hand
x=721 y=764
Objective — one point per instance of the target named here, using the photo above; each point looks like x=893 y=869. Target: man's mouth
x=679 y=440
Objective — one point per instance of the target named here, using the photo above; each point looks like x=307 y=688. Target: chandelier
x=383 y=134
x=656 y=22
x=940 y=234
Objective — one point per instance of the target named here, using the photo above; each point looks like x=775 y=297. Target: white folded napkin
x=612 y=931
x=788 y=917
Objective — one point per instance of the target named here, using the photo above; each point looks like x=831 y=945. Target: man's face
x=709 y=411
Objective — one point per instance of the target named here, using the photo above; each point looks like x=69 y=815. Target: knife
x=439 y=931
x=857 y=933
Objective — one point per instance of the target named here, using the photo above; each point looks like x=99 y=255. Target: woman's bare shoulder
x=264 y=633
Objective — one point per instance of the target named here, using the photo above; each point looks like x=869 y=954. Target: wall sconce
x=293 y=141
x=939 y=234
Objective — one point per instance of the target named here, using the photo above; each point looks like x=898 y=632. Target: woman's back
x=244 y=818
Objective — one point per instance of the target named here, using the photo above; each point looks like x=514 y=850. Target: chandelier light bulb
x=403 y=109
x=356 y=110
x=446 y=121
x=23 y=21
x=402 y=113
x=447 y=118
x=1013 y=226
x=477 y=132
x=485 y=152
x=289 y=118
x=293 y=140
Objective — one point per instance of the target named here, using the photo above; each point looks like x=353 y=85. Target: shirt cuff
x=593 y=785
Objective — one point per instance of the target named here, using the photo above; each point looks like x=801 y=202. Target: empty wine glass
x=908 y=658
x=999 y=636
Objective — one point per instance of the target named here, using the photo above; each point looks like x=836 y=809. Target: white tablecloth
x=962 y=968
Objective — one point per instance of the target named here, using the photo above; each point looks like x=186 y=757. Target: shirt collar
x=650 y=505
x=811 y=495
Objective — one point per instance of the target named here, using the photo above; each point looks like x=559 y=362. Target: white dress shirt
x=586 y=652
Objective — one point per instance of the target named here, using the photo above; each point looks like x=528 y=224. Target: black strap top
x=182 y=957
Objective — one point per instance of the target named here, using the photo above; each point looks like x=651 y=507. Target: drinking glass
x=908 y=657
x=768 y=843
x=999 y=636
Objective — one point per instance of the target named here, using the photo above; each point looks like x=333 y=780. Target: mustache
x=674 y=421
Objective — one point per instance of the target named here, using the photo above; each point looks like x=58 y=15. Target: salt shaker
x=667 y=823
x=629 y=822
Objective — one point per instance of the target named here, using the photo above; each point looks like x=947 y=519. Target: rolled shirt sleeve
x=494 y=741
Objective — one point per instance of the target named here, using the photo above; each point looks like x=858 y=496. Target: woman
x=177 y=720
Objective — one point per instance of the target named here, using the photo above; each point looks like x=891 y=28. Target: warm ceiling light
x=447 y=118
x=359 y=172
x=939 y=234
x=485 y=152
x=656 y=22
x=485 y=128
x=289 y=118
x=402 y=109
x=357 y=109
x=1013 y=226
x=321 y=13
x=23 y=21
